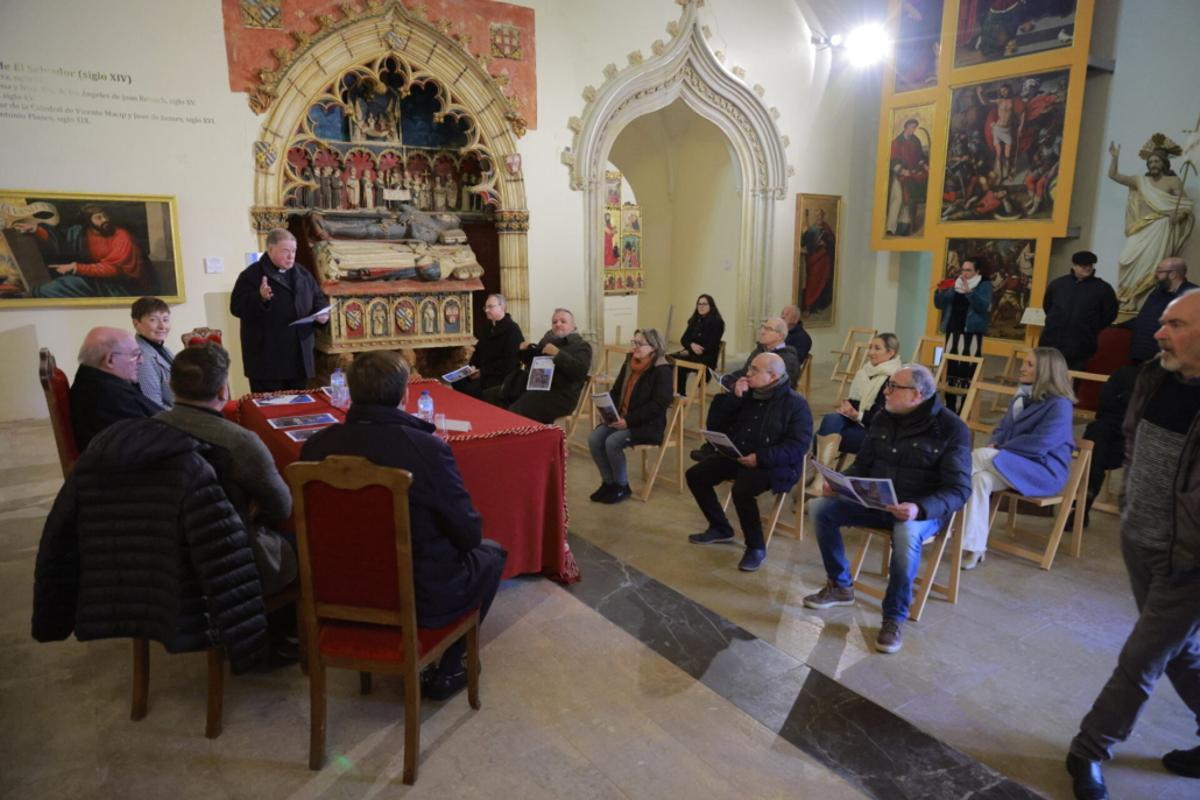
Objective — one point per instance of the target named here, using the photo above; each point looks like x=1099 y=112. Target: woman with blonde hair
x=1030 y=450
x=642 y=394
x=845 y=428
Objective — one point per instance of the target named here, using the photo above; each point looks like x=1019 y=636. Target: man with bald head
x=1170 y=281
x=1160 y=542
x=105 y=388
x=797 y=338
x=772 y=338
x=771 y=426
x=925 y=450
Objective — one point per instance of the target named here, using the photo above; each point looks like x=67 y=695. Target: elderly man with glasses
x=925 y=449
x=1170 y=281
x=105 y=388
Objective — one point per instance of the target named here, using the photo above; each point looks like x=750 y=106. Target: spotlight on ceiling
x=866 y=45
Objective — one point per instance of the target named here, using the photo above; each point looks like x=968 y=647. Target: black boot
x=1086 y=778
x=604 y=491
x=1183 y=762
x=1087 y=512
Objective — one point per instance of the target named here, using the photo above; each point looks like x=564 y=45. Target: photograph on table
x=991 y=30
x=1008 y=265
x=59 y=249
x=918 y=36
x=1004 y=148
x=815 y=269
x=907 y=173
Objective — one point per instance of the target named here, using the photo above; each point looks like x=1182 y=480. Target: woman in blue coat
x=966 y=305
x=1030 y=450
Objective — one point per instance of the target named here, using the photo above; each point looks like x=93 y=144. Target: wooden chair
x=773 y=521
x=928 y=345
x=58 y=402
x=1081 y=412
x=721 y=358
x=857 y=356
x=804 y=379
x=672 y=440
x=582 y=408
x=926 y=580
x=356 y=578
x=216 y=670
x=695 y=391
x=1003 y=394
x=1008 y=375
x=943 y=380
x=1074 y=495
x=840 y=356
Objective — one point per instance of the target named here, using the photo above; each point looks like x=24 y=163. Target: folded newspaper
x=606 y=408
x=870 y=492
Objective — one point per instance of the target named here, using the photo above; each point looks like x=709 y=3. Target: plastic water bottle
x=425 y=407
x=337 y=387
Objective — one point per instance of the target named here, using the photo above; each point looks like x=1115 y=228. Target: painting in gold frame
x=815 y=268
x=989 y=32
x=907 y=173
x=918 y=40
x=68 y=249
x=1008 y=264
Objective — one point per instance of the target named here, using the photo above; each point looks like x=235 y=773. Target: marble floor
x=664 y=673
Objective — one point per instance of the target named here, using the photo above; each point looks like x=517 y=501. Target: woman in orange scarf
x=641 y=395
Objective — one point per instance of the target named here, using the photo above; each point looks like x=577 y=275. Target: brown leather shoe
x=890 y=636
x=831 y=596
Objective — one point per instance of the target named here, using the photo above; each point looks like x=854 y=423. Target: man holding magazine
x=925 y=450
x=770 y=426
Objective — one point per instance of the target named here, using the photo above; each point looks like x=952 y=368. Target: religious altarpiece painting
x=815 y=270
x=623 y=271
x=59 y=249
x=1008 y=264
x=918 y=44
x=1005 y=111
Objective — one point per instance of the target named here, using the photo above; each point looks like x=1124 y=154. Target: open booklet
x=605 y=406
x=541 y=374
x=723 y=444
x=719 y=378
x=870 y=492
x=459 y=374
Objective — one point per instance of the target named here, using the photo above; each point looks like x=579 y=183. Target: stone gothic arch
x=394 y=30
x=685 y=68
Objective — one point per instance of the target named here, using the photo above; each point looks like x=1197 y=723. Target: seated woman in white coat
x=1030 y=450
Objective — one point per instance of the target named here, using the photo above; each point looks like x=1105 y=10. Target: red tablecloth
x=513 y=467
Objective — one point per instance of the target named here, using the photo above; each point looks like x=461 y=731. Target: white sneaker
x=972 y=559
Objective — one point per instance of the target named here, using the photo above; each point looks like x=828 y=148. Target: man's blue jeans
x=831 y=514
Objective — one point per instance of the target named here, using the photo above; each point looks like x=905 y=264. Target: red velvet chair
x=1112 y=353
x=356 y=580
x=58 y=401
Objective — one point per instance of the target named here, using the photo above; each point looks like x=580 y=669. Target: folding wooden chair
x=1085 y=414
x=926 y=351
x=772 y=521
x=1008 y=375
x=352 y=520
x=857 y=355
x=804 y=380
x=696 y=392
x=1074 y=495
x=582 y=408
x=673 y=435
x=58 y=402
x=943 y=380
x=841 y=356
x=926 y=580
x=1003 y=396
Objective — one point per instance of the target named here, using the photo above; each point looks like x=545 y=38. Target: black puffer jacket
x=926 y=453
x=142 y=542
x=649 y=402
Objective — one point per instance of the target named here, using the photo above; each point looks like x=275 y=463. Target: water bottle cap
x=424 y=391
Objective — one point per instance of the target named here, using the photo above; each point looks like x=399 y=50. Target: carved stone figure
x=1158 y=218
x=352 y=188
x=368 y=189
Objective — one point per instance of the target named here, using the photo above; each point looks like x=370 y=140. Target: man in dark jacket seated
x=142 y=542
x=454 y=568
x=105 y=388
x=771 y=339
x=496 y=351
x=797 y=338
x=925 y=449
x=572 y=359
x=771 y=426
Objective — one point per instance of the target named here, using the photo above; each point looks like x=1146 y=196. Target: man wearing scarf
x=771 y=426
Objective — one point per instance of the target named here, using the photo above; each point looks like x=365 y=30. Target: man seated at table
x=772 y=338
x=572 y=359
x=105 y=388
x=771 y=425
x=200 y=381
x=925 y=449
x=454 y=568
x=496 y=351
